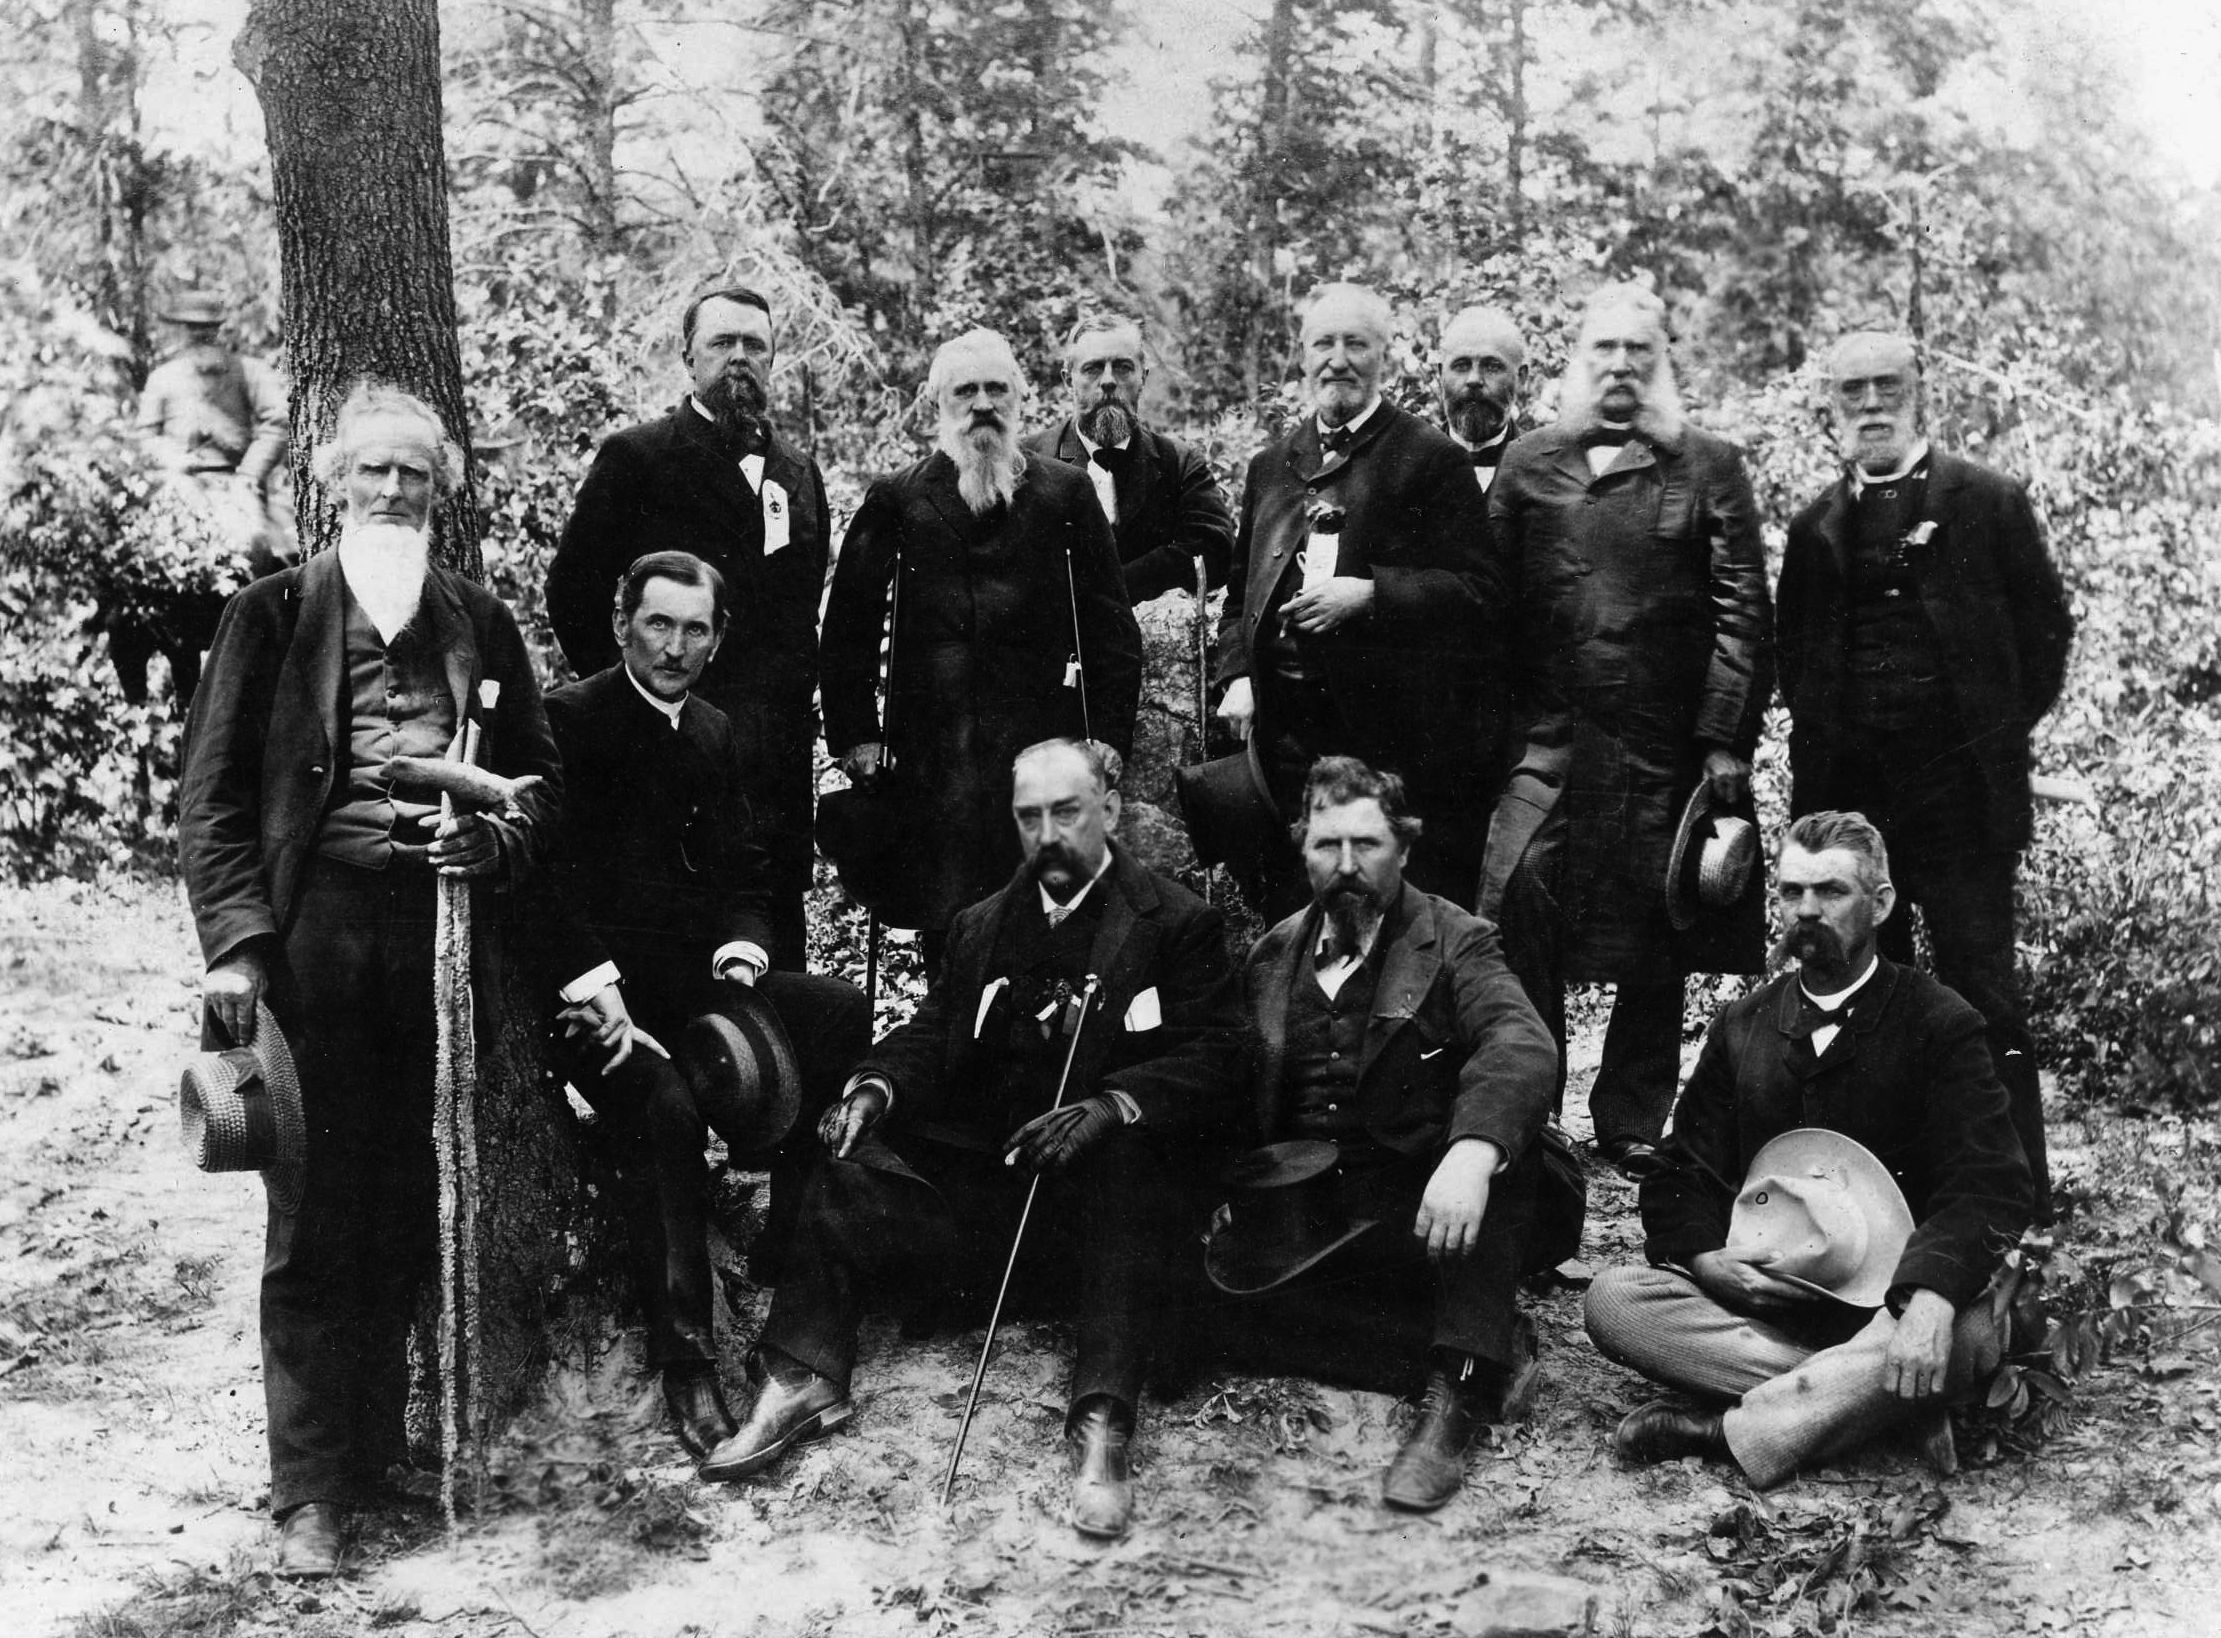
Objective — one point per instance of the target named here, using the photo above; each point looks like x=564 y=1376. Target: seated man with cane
x=1840 y=1187
x=1404 y=1082
x=660 y=940
x=1084 y=1031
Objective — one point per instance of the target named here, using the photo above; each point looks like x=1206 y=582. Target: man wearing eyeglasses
x=1923 y=633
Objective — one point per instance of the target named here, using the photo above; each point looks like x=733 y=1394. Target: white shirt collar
x=670 y=708
x=1860 y=477
x=1502 y=436
x=1832 y=1003
x=1091 y=446
x=1073 y=903
x=1354 y=422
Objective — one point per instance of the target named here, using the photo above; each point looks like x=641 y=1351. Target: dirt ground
x=132 y=1485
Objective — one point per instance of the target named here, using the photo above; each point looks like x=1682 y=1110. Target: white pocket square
x=1436 y=1053
x=986 y=1000
x=1144 y=1011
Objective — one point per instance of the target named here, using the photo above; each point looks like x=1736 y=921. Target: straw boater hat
x=195 y=307
x=740 y=1066
x=1282 y=1219
x=1828 y=1212
x=1713 y=853
x=240 y=1110
x=1231 y=817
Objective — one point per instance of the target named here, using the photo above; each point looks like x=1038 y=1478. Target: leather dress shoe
x=309 y=1540
x=1103 y=1481
x=697 y=1406
x=792 y=1407
x=1663 y=1431
x=1431 y=1465
x=1632 y=1158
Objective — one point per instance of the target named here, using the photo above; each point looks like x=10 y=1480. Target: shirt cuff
x=589 y=984
x=1127 y=1108
x=870 y=1077
x=746 y=952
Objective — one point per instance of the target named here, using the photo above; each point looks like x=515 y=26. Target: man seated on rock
x=1786 y=1371
x=948 y=1120
x=1384 y=1021
x=661 y=916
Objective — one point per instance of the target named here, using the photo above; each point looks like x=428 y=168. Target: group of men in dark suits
x=1484 y=667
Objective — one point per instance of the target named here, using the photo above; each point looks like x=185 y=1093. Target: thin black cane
x=1079 y=660
x=995 y=1319
x=871 y=961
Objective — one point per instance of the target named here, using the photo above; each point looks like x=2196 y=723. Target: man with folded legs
x=950 y=1118
x=1791 y=1356
x=662 y=914
x=1383 y=1019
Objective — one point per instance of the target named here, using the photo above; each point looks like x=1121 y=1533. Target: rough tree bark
x=350 y=96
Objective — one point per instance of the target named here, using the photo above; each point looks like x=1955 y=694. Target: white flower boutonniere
x=1921 y=533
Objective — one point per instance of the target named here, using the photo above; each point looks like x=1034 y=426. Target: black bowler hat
x=1283 y=1217
x=1231 y=817
x=740 y=1067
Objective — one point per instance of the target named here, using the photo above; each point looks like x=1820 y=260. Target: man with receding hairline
x=1923 y=635
x=1011 y=625
x=1641 y=671
x=1480 y=378
x=1162 y=499
x=1364 y=601
x=312 y=876
x=715 y=477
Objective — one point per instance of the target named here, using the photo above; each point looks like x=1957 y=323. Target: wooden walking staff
x=995 y=1319
x=455 y=1138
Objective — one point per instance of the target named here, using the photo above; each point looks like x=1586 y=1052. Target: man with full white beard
x=1640 y=673
x=1011 y=626
x=312 y=879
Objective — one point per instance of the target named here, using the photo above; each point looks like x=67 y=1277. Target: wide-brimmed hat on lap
x=740 y=1066
x=1829 y=1214
x=239 y=1110
x=1283 y=1217
x=1231 y=817
x=1714 y=851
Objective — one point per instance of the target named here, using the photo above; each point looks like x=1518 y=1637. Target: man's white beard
x=988 y=463
x=1657 y=417
x=385 y=565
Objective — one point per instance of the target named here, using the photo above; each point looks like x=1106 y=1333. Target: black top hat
x=1283 y=1218
x=1231 y=816
x=239 y=1110
x=740 y=1066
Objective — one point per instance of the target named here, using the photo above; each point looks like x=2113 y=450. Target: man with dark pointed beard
x=1164 y=503
x=1480 y=378
x=717 y=479
x=312 y=879
x=1011 y=626
x=1640 y=669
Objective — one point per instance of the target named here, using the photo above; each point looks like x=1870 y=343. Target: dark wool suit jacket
x=1154 y=936
x=1454 y=1049
x=656 y=862
x=1909 y=1077
x=983 y=634
x=267 y=741
x=2000 y=615
x=1412 y=671
x=670 y=485
x=1171 y=510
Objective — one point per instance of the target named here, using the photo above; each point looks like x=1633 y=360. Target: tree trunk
x=351 y=97
x=1515 y=157
x=916 y=161
x=110 y=65
x=1274 y=108
x=597 y=20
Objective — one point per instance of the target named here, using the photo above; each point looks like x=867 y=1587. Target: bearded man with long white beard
x=1011 y=626
x=312 y=879
x=1641 y=669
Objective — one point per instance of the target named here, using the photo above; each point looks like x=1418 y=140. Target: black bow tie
x=1607 y=437
x=1110 y=460
x=1487 y=455
x=1336 y=439
x=1812 y=1016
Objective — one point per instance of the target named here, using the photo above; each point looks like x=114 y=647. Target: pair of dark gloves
x=1047 y=1143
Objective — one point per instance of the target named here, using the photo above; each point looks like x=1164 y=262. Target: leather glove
x=846 y=1123
x=1051 y=1142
